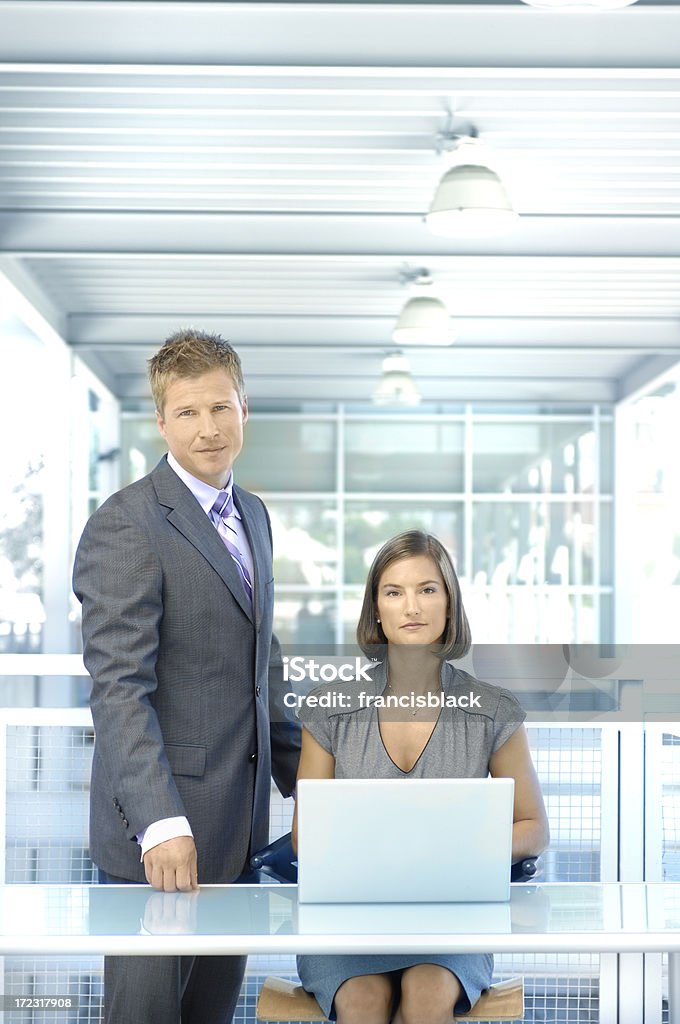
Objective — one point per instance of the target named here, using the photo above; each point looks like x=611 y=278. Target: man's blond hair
x=191 y=353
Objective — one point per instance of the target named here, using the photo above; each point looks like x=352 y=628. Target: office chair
x=283 y=1001
x=277 y=861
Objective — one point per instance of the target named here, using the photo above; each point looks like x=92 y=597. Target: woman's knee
x=428 y=995
x=364 y=1000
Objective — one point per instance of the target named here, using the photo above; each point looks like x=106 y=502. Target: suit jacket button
x=257 y=691
x=253 y=758
x=126 y=822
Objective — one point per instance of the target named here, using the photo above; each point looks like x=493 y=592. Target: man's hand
x=172 y=865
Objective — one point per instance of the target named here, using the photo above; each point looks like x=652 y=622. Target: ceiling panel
x=275 y=190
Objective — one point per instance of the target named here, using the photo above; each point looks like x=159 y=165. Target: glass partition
x=400 y=455
x=649 y=526
x=523 y=501
x=305 y=541
x=549 y=456
x=535 y=542
x=288 y=453
x=368 y=524
x=22 y=605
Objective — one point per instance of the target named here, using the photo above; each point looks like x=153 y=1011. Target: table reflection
x=259 y=912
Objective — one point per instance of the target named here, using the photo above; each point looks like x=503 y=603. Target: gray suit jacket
x=182 y=676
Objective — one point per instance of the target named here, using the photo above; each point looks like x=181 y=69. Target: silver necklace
x=414 y=709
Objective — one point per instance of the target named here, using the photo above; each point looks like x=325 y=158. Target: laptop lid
x=404 y=840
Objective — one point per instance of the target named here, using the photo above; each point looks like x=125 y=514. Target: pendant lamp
x=424 y=320
x=470 y=198
x=396 y=386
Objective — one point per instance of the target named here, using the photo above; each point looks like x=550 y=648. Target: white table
x=133 y=920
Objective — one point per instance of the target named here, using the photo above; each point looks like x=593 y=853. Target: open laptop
x=404 y=840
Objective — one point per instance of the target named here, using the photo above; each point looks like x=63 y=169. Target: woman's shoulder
x=342 y=698
x=482 y=698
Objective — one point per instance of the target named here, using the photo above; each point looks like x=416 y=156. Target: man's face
x=202 y=421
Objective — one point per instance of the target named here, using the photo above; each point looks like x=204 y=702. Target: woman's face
x=412 y=603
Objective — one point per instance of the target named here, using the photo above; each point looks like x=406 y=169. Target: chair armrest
x=526 y=870
x=277 y=860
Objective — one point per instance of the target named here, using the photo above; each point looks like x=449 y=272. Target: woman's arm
x=530 y=831
x=315 y=763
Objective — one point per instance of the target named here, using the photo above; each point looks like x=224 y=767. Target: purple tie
x=221 y=513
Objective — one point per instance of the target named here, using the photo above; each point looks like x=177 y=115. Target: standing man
x=174 y=574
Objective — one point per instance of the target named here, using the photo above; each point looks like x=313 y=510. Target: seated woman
x=413 y=616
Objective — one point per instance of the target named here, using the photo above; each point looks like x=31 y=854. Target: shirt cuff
x=160 y=831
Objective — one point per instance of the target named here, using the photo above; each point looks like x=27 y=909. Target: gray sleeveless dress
x=460 y=746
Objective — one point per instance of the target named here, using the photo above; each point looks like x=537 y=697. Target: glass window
x=22 y=481
x=606 y=543
x=142 y=446
x=516 y=546
x=369 y=524
x=368 y=409
x=606 y=456
x=532 y=543
x=287 y=455
x=606 y=629
x=305 y=541
x=543 y=457
x=526 y=616
x=277 y=454
x=537 y=409
x=403 y=455
x=649 y=527
x=352 y=599
x=304 y=617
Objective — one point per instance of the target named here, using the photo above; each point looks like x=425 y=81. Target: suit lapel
x=187 y=516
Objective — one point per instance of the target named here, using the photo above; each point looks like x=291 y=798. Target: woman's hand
x=530 y=831
x=315 y=763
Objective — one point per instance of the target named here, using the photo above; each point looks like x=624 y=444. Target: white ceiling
x=262 y=169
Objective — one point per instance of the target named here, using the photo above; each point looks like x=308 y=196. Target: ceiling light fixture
x=470 y=198
x=424 y=320
x=396 y=386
